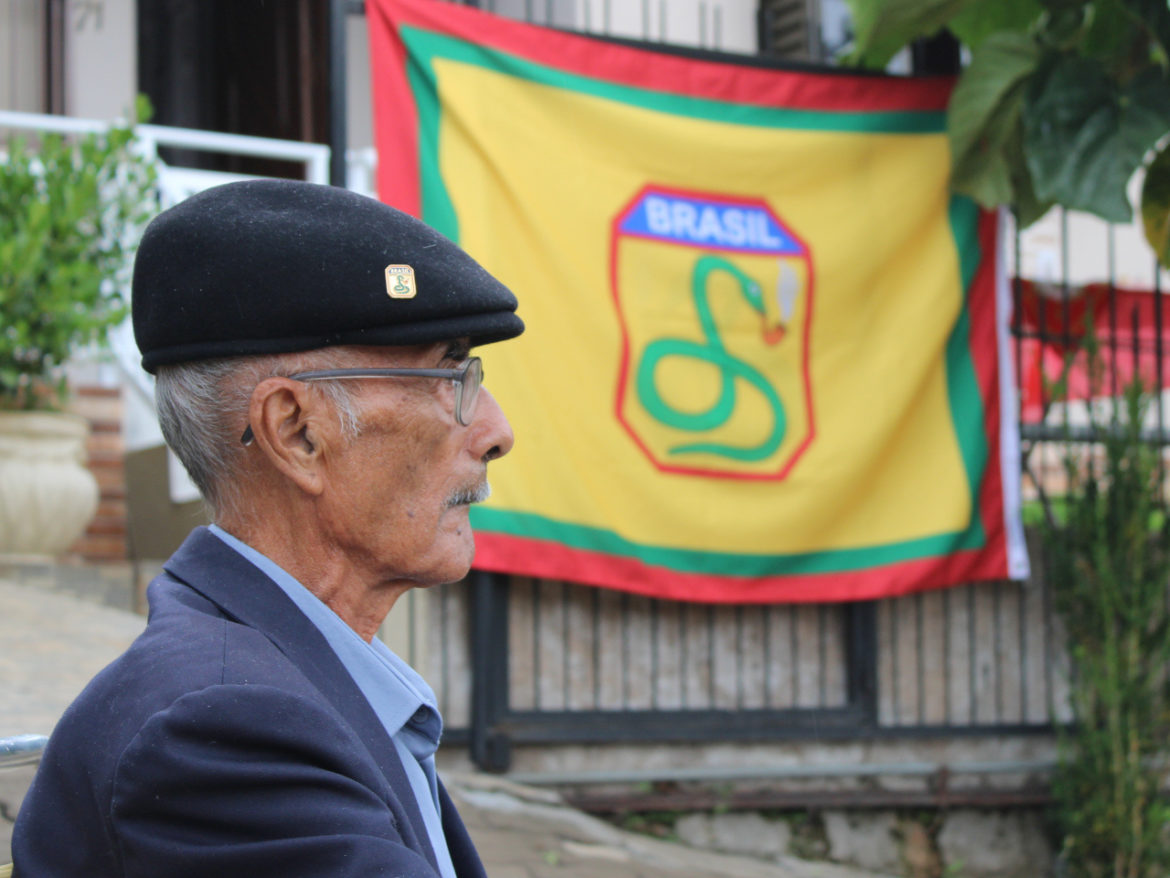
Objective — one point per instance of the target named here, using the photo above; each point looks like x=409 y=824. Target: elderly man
x=313 y=373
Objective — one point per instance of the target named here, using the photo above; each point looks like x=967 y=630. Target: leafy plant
x=1107 y=557
x=659 y=824
x=1063 y=101
x=71 y=209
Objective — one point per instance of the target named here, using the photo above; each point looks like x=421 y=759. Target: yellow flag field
x=766 y=355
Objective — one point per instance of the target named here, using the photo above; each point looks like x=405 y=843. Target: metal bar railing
x=1153 y=435
x=21 y=750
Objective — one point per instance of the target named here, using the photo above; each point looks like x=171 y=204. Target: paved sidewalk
x=54 y=642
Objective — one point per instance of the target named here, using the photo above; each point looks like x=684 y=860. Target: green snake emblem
x=730 y=368
x=399 y=286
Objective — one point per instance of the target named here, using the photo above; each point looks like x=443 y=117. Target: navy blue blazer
x=227 y=741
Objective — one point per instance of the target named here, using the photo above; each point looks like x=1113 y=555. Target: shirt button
x=420 y=716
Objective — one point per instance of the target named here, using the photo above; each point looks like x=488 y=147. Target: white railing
x=315 y=156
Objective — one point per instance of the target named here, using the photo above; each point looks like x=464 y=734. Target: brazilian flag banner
x=766 y=357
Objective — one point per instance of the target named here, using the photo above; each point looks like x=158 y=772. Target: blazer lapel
x=463 y=853
x=208 y=565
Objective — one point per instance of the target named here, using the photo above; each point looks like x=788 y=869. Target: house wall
x=100 y=58
x=22 y=54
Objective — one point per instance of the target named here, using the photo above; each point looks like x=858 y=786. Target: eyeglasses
x=468 y=378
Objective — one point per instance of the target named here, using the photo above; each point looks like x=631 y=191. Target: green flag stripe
x=424 y=46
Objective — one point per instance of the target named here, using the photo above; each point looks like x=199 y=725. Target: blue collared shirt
x=399 y=696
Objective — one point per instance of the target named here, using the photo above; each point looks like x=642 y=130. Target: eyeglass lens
x=467 y=391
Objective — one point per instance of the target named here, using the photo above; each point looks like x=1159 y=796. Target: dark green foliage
x=71 y=210
x=985 y=122
x=1085 y=135
x=883 y=27
x=1107 y=559
x=1063 y=101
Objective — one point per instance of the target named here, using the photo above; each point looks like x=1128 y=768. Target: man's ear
x=289 y=423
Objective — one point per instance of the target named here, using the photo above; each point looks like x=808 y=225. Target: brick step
x=106 y=462
x=97 y=391
x=108 y=467
x=111 y=505
x=106 y=526
x=102 y=411
x=100 y=547
x=108 y=505
x=109 y=478
x=105 y=537
x=107 y=447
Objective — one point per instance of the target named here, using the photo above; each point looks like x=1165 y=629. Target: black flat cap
x=274 y=266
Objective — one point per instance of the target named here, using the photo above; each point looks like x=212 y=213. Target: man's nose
x=492 y=433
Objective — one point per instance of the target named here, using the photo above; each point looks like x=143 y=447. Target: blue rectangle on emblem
x=704 y=222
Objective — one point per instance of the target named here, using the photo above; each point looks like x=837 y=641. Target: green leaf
x=1064 y=26
x=1154 y=16
x=983 y=117
x=1084 y=135
x=1112 y=35
x=71 y=208
x=1156 y=205
x=883 y=27
x=975 y=24
x=1028 y=206
x=143 y=109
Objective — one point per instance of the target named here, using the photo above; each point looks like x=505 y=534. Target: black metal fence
x=521 y=662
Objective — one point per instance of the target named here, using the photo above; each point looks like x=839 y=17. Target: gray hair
x=203 y=410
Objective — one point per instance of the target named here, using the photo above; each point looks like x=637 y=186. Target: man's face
x=398 y=493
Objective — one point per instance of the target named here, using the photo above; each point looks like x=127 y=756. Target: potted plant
x=71 y=209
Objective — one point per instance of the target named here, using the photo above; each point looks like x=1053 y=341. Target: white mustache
x=475 y=494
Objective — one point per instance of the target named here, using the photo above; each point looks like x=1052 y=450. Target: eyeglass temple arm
x=248 y=436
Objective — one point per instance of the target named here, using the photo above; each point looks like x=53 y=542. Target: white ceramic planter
x=47 y=496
